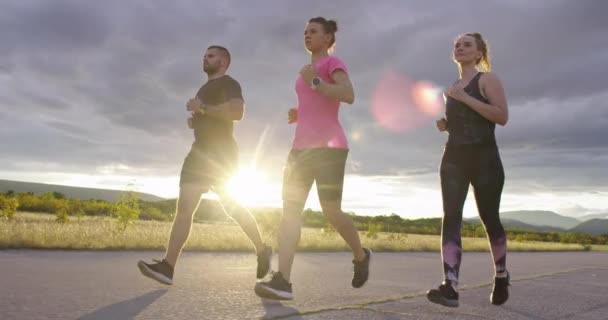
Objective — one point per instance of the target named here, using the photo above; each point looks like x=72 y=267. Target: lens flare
x=400 y=104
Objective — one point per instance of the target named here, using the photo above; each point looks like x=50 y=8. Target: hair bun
x=332 y=26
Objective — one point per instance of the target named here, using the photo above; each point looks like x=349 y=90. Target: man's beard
x=210 y=70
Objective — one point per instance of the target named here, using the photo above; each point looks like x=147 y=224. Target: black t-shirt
x=212 y=131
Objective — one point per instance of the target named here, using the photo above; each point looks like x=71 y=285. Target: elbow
x=503 y=121
x=350 y=99
x=502 y=117
x=239 y=112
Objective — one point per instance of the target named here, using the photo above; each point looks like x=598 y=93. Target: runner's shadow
x=275 y=309
x=128 y=309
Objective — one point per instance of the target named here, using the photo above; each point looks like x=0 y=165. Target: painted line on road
x=366 y=305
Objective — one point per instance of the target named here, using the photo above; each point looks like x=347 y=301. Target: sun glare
x=250 y=186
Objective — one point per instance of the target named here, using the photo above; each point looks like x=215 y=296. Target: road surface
x=107 y=285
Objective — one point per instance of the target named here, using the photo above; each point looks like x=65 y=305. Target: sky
x=93 y=94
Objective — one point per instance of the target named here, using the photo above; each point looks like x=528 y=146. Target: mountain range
x=548 y=221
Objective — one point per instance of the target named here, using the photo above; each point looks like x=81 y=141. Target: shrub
x=8 y=207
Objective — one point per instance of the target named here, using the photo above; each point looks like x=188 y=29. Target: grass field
x=40 y=231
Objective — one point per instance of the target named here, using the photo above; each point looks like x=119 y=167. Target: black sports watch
x=316 y=81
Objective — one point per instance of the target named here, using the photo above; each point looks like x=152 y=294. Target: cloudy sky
x=92 y=94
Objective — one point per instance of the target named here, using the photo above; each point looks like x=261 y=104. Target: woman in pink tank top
x=318 y=155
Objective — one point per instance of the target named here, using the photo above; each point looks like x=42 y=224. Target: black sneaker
x=264 y=262
x=445 y=295
x=160 y=271
x=277 y=288
x=500 y=292
x=361 y=269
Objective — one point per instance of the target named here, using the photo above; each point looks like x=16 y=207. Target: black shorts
x=325 y=166
x=209 y=167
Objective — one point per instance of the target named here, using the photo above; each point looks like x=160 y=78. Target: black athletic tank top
x=465 y=126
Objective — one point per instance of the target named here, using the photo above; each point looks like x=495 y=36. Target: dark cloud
x=83 y=85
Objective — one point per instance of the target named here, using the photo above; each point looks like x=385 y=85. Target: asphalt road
x=107 y=285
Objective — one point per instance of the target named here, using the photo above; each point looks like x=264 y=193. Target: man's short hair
x=224 y=52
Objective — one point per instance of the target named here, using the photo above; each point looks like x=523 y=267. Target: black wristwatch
x=316 y=81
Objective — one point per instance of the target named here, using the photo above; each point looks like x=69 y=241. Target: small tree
x=61 y=214
x=373 y=229
x=127 y=210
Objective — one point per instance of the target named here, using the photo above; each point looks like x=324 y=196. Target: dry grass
x=39 y=231
x=596 y=247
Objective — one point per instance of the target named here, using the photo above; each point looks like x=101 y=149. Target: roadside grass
x=40 y=231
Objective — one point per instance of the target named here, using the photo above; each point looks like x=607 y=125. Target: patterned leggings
x=481 y=167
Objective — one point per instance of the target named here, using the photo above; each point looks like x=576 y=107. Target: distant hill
x=541 y=219
x=594 y=226
x=70 y=192
x=547 y=221
x=518 y=224
x=594 y=216
x=521 y=225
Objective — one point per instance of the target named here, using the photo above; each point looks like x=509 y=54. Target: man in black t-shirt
x=211 y=161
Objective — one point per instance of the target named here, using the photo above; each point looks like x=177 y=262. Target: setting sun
x=251 y=187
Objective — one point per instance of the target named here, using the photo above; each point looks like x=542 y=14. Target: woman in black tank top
x=474 y=105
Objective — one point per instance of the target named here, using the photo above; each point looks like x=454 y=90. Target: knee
x=491 y=222
x=452 y=219
x=495 y=230
x=332 y=210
